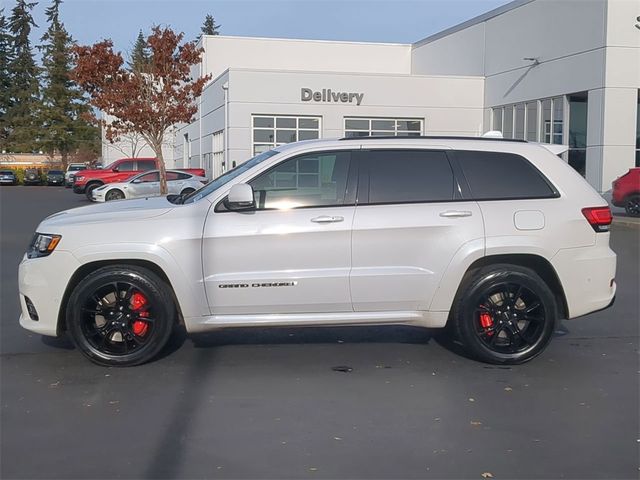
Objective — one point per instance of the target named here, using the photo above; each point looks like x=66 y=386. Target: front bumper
x=7 y=181
x=78 y=188
x=44 y=281
x=97 y=196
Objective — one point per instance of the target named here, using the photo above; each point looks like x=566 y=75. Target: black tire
x=114 y=194
x=504 y=314
x=103 y=326
x=632 y=205
x=90 y=188
x=187 y=191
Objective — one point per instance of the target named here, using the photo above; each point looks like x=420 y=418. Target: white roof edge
x=305 y=40
x=471 y=22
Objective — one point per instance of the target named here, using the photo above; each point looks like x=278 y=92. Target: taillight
x=598 y=217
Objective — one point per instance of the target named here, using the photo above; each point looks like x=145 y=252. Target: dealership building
x=553 y=71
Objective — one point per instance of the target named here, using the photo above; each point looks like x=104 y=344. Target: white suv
x=495 y=239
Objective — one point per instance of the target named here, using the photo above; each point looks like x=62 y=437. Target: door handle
x=456 y=213
x=327 y=219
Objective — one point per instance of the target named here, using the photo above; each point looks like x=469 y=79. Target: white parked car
x=70 y=172
x=495 y=239
x=147 y=184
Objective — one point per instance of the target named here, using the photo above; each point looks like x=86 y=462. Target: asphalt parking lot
x=268 y=404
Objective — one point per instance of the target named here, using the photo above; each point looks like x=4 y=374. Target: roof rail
x=434 y=137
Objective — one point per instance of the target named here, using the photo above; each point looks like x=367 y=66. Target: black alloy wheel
x=120 y=315
x=504 y=314
x=632 y=205
x=114 y=194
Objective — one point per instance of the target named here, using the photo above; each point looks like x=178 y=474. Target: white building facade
x=554 y=71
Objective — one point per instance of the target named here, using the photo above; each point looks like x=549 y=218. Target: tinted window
x=6 y=172
x=177 y=176
x=400 y=176
x=149 y=177
x=148 y=165
x=496 y=175
x=313 y=180
x=75 y=168
x=126 y=167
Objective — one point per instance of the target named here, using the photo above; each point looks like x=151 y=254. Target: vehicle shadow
x=313 y=335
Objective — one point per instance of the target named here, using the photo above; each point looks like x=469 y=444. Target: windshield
x=5 y=172
x=75 y=168
x=55 y=172
x=227 y=177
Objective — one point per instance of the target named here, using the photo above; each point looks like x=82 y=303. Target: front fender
x=187 y=286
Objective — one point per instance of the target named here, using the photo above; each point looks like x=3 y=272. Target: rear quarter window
x=503 y=176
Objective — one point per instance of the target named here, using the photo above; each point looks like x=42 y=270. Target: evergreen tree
x=5 y=78
x=22 y=114
x=140 y=56
x=209 y=26
x=63 y=105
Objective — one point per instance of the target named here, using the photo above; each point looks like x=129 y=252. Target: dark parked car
x=33 y=176
x=8 y=177
x=55 y=177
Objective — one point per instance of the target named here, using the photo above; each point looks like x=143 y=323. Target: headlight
x=42 y=245
x=79 y=177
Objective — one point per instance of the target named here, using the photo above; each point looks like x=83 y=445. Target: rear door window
x=502 y=176
x=407 y=176
x=143 y=165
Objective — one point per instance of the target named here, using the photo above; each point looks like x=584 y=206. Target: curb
x=627 y=222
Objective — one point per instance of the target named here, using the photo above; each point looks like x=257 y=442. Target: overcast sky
x=402 y=21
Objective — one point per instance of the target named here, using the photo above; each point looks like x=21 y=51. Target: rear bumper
x=587 y=275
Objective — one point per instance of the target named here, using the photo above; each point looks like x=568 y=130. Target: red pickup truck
x=86 y=180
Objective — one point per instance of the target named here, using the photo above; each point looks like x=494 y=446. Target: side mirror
x=114 y=169
x=240 y=197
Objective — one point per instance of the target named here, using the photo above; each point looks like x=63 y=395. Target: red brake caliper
x=138 y=301
x=486 y=321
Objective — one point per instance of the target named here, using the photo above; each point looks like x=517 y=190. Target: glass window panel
x=519 y=133
x=411 y=125
x=257 y=149
x=545 y=131
x=263 y=122
x=399 y=176
x=308 y=123
x=384 y=133
x=150 y=177
x=288 y=185
x=497 y=119
x=497 y=175
x=308 y=165
x=285 y=122
x=353 y=124
x=127 y=167
x=577 y=121
x=285 y=136
x=262 y=136
x=508 y=122
x=532 y=122
x=308 y=134
x=383 y=125
x=558 y=114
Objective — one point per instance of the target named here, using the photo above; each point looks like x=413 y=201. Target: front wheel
x=114 y=194
x=632 y=205
x=506 y=314
x=120 y=315
x=90 y=188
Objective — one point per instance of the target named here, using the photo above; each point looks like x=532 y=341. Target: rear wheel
x=632 y=205
x=120 y=315
x=506 y=314
x=90 y=188
x=114 y=194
